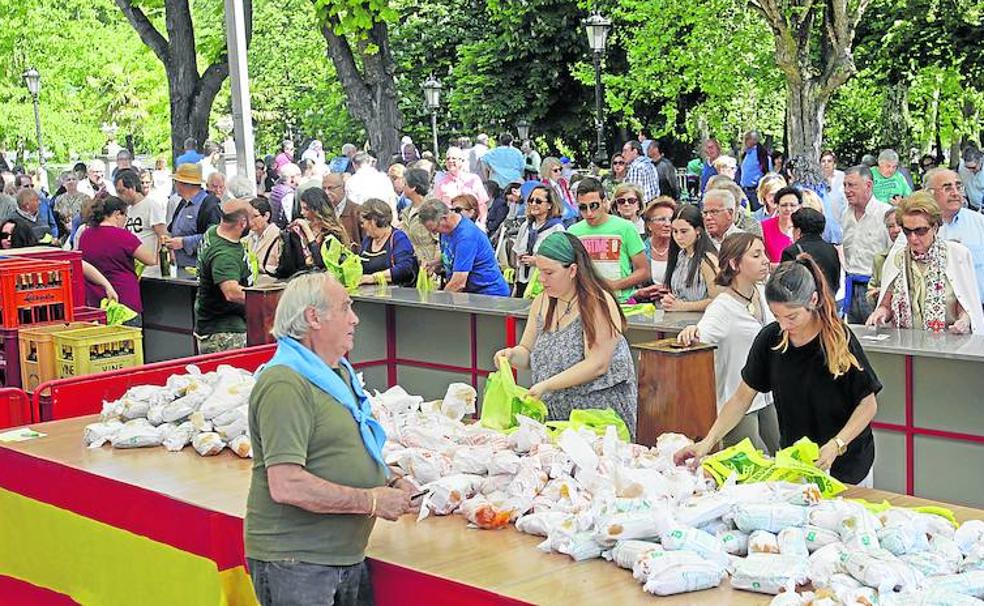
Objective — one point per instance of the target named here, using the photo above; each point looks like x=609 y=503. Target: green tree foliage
x=93 y=70
x=694 y=69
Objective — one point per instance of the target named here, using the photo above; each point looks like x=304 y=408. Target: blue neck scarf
x=303 y=361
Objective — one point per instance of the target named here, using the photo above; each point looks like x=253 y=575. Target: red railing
x=15 y=408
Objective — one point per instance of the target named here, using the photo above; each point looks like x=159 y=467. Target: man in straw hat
x=196 y=212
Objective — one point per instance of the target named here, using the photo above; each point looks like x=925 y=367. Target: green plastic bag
x=638 y=309
x=595 y=419
x=116 y=312
x=345 y=264
x=252 y=261
x=742 y=459
x=425 y=282
x=503 y=400
x=534 y=287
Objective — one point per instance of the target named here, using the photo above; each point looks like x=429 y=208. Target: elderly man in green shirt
x=319 y=479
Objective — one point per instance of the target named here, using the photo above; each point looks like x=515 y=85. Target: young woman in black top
x=821 y=381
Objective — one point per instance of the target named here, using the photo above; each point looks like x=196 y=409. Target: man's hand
x=879 y=317
x=391 y=503
x=174 y=242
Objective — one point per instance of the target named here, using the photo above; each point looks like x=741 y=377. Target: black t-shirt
x=809 y=400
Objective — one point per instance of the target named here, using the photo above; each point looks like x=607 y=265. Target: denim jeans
x=294 y=583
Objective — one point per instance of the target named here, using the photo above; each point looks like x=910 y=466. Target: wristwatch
x=841 y=445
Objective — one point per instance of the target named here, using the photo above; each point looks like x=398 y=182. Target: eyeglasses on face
x=593 y=206
x=710 y=212
x=952 y=187
x=657 y=219
x=919 y=231
x=459 y=209
x=626 y=201
x=555 y=169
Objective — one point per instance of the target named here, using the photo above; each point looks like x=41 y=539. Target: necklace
x=570 y=306
x=750 y=303
x=662 y=252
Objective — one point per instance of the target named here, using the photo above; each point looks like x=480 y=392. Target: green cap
x=558 y=247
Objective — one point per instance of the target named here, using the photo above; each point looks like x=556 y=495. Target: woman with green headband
x=574 y=342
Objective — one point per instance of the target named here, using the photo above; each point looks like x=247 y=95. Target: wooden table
x=503 y=563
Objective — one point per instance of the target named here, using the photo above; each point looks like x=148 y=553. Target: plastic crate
x=9 y=358
x=88 y=351
x=37 y=352
x=49 y=253
x=35 y=292
x=90 y=314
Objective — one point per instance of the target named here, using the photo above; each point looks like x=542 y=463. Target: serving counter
x=104 y=526
x=169 y=316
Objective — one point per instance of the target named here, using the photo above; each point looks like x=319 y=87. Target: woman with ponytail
x=574 y=341
x=821 y=382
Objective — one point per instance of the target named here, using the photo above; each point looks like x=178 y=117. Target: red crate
x=49 y=253
x=35 y=292
x=10 y=374
x=90 y=314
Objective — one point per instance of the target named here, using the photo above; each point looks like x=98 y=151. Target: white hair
x=96 y=164
x=725 y=160
x=455 y=152
x=290 y=170
x=303 y=291
x=888 y=155
x=726 y=197
x=240 y=186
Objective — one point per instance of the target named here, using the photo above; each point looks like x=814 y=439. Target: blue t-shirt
x=751 y=172
x=467 y=248
x=506 y=164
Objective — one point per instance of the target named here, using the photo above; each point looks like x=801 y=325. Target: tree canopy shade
x=191 y=93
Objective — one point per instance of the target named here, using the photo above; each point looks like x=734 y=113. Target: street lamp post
x=597 y=28
x=432 y=96
x=33 y=80
x=523 y=130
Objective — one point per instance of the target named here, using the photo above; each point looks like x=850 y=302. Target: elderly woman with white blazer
x=928 y=283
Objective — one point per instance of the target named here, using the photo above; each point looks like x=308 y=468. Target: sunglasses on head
x=626 y=201
x=919 y=231
x=593 y=206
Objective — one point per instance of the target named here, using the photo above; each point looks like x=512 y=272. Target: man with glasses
x=467 y=257
x=864 y=237
x=348 y=212
x=612 y=243
x=959 y=224
x=641 y=171
x=719 y=215
x=972 y=177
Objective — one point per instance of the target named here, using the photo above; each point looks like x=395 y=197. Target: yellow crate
x=37 y=352
x=92 y=350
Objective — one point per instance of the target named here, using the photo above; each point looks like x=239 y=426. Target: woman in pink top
x=457 y=181
x=112 y=249
x=778 y=231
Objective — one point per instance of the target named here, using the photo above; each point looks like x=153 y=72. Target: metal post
x=437 y=154
x=242 y=111
x=601 y=154
x=42 y=171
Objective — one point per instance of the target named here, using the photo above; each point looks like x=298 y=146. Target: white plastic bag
x=691 y=539
x=670 y=573
x=96 y=434
x=138 y=433
x=208 y=444
x=459 y=400
x=176 y=437
x=769 y=573
x=772 y=518
x=242 y=446
x=626 y=553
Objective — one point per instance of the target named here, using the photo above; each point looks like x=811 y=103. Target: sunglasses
x=538 y=201
x=593 y=206
x=919 y=231
x=618 y=163
x=555 y=169
x=460 y=210
x=626 y=201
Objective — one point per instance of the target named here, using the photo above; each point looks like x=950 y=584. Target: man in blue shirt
x=504 y=164
x=959 y=224
x=755 y=162
x=972 y=176
x=190 y=155
x=468 y=259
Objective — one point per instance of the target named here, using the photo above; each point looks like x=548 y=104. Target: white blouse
x=729 y=325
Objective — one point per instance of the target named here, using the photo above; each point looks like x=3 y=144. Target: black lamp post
x=432 y=96
x=33 y=80
x=523 y=130
x=597 y=28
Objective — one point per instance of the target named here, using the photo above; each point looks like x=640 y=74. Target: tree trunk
x=896 y=120
x=805 y=107
x=370 y=94
x=191 y=95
